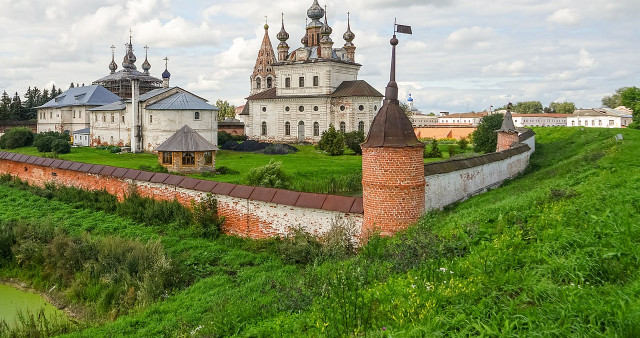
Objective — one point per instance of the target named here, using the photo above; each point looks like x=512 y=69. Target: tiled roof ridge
x=345 y=204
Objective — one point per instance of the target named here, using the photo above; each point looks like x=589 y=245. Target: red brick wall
x=249 y=211
x=393 y=188
x=505 y=140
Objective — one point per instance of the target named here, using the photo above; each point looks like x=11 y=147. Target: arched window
x=343 y=127
x=258 y=83
x=361 y=127
x=316 y=129
x=264 y=128
x=188 y=158
x=287 y=128
x=196 y=115
x=269 y=82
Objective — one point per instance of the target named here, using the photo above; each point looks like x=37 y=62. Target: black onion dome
x=348 y=36
x=166 y=74
x=146 y=66
x=113 y=66
x=315 y=12
x=282 y=35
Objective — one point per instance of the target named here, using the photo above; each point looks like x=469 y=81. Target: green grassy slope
x=555 y=251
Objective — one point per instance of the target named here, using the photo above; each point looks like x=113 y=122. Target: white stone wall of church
x=62 y=119
x=444 y=189
x=330 y=76
x=159 y=125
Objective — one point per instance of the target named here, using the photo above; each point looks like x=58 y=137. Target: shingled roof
x=355 y=88
x=186 y=139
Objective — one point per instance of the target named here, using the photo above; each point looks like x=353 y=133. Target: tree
x=226 y=110
x=630 y=98
x=406 y=109
x=528 y=107
x=485 y=138
x=353 y=140
x=614 y=100
x=332 y=141
x=434 y=152
x=562 y=108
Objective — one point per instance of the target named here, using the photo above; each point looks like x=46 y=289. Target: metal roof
x=601 y=112
x=355 y=88
x=93 y=95
x=152 y=93
x=181 y=101
x=118 y=105
x=507 y=124
x=82 y=131
x=391 y=128
x=186 y=139
x=128 y=75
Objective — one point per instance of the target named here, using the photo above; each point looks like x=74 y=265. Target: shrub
x=239 y=138
x=60 y=146
x=332 y=142
x=205 y=216
x=485 y=138
x=223 y=137
x=115 y=149
x=226 y=171
x=353 y=140
x=270 y=176
x=452 y=150
x=156 y=168
x=434 y=152
x=463 y=143
x=43 y=143
x=55 y=134
x=16 y=137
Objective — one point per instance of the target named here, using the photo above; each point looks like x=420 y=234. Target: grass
x=554 y=252
x=308 y=166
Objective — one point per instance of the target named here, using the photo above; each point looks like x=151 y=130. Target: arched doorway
x=301 y=131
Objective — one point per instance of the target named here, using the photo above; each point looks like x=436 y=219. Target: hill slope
x=555 y=251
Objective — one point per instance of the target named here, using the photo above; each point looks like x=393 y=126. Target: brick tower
x=263 y=76
x=393 y=183
x=507 y=134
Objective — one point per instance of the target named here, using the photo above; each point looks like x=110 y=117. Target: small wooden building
x=186 y=151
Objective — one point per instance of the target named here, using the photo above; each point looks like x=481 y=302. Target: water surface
x=12 y=301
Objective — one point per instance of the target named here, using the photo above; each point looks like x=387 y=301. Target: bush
x=55 y=134
x=485 y=138
x=43 y=143
x=434 y=152
x=115 y=149
x=16 y=137
x=60 y=146
x=353 y=140
x=229 y=145
x=223 y=137
x=452 y=151
x=205 y=217
x=463 y=143
x=239 y=138
x=270 y=176
x=332 y=142
x=226 y=171
x=156 y=168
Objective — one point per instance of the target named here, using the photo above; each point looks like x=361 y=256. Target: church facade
x=296 y=97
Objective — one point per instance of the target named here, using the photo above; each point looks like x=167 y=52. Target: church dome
x=166 y=74
x=146 y=66
x=348 y=35
x=282 y=35
x=315 y=12
x=113 y=66
x=410 y=99
x=305 y=40
x=326 y=29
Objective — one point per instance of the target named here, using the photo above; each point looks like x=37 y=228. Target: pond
x=14 y=301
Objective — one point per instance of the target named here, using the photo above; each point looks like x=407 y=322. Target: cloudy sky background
x=462 y=54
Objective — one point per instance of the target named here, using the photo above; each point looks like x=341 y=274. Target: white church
x=298 y=96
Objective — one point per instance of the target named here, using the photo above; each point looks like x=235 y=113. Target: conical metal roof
x=391 y=127
x=507 y=123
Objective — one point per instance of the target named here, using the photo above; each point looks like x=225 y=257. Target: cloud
x=514 y=68
x=466 y=37
x=565 y=16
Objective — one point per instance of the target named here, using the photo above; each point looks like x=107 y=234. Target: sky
x=463 y=55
